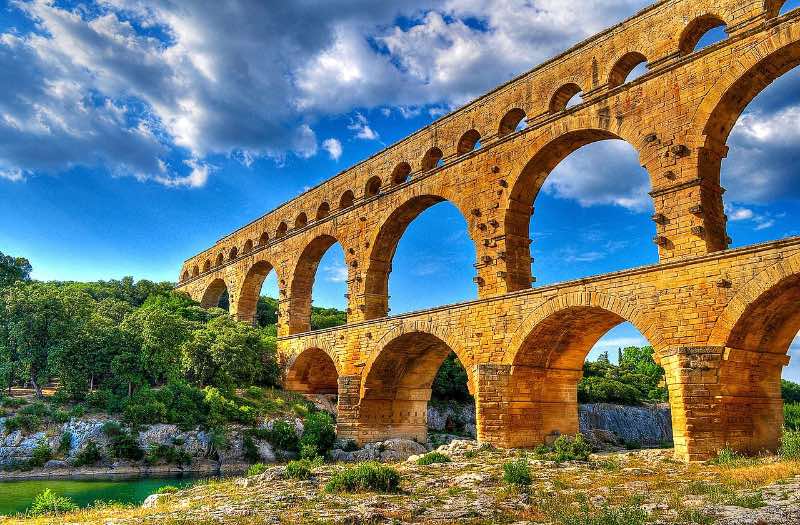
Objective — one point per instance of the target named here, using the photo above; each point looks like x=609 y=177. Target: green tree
x=158 y=334
x=13 y=269
x=450 y=383
x=790 y=391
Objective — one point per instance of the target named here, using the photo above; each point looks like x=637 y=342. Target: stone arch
x=195 y=271
x=624 y=66
x=400 y=173
x=346 y=200
x=510 y=121
x=323 y=211
x=263 y=240
x=213 y=293
x=233 y=253
x=301 y=221
x=431 y=158
x=220 y=259
x=185 y=276
x=695 y=30
x=207 y=265
x=383 y=247
x=547 y=153
x=282 y=229
x=250 y=291
x=248 y=246
x=372 y=187
x=314 y=370
x=302 y=281
x=397 y=379
x=468 y=141
x=562 y=96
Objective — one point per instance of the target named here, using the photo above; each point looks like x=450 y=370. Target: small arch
x=346 y=200
x=622 y=70
x=185 y=276
x=564 y=96
x=213 y=294
x=431 y=159
x=195 y=271
x=220 y=259
x=248 y=246
x=282 y=229
x=323 y=211
x=207 y=265
x=372 y=187
x=779 y=7
x=511 y=121
x=787 y=6
x=233 y=254
x=301 y=221
x=401 y=172
x=468 y=141
x=263 y=239
x=696 y=30
x=247 y=305
x=312 y=372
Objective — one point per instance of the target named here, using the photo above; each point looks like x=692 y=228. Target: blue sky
x=133 y=136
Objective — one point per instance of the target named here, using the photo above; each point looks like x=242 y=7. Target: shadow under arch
x=213 y=293
x=384 y=246
x=546 y=356
x=525 y=187
x=247 y=306
x=312 y=372
x=397 y=384
x=301 y=287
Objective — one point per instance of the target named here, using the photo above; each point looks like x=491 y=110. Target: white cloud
x=335 y=274
x=360 y=125
x=333 y=147
x=14 y=175
x=739 y=214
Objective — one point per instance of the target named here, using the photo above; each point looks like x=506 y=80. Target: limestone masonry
x=721 y=321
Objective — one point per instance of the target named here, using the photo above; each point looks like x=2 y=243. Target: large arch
x=397 y=380
x=312 y=372
x=213 y=293
x=251 y=289
x=383 y=248
x=525 y=187
x=300 y=289
x=546 y=356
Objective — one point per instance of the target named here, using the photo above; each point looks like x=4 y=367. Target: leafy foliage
x=368 y=476
x=517 y=472
x=450 y=383
x=433 y=457
x=636 y=379
x=13 y=269
x=302 y=469
x=790 y=391
x=565 y=448
x=791 y=416
x=89 y=455
x=47 y=503
x=319 y=434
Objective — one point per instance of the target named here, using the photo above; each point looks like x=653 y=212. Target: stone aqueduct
x=721 y=320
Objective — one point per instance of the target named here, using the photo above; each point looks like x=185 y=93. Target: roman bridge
x=721 y=320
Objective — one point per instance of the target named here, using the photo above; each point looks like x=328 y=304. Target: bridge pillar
x=347 y=408
x=724 y=398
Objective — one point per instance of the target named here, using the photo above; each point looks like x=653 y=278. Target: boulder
x=648 y=424
x=389 y=450
x=56 y=464
x=153 y=500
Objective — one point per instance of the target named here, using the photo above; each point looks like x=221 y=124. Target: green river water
x=16 y=496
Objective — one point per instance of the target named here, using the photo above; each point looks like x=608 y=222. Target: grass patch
x=517 y=473
x=565 y=448
x=370 y=476
x=302 y=469
x=790 y=444
x=433 y=457
x=256 y=469
x=167 y=489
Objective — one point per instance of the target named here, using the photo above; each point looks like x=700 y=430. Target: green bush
x=433 y=457
x=282 y=436
x=450 y=382
x=517 y=472
x=65 y=443
x=41 y=454
x=790 y=444
x=250 y=450
x=309 y=452
x=103 y=400
x=256 y=469
x=369 y=476
x=90 y=455
x=13 y=402
x=27 y=423
x=790 y=391
x=37 y=409
x=303 y=468
x=565 y=448
x=254 y=392
x=319 y=432
x=48 y=503
x=167 y=489
x=791 y=416
x=122 y=443
x=167 y=454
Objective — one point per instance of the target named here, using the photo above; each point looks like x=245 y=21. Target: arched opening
x=468 y=142
x=549 y=366
x=594 y=178
x=216 y=295
x=323 y=211
x=401 y=173
x=702 y=32
x=328 y=291
x=421 y=261
x=372 y=187
x=432 y=159
x=780 y=7
x=312 y=373
x=195 y=271
x=301 y=221
x=630 y=67
x=248 y=246
x=788 y=5
x=397 y=387
x=207 y=266
x=347 y=200
x=263 y=240
x=185 y=276
x=220 y=259
x=250 y=294
x=233 y=254
x=281 y=231
x=567 y=96
x=512 y=121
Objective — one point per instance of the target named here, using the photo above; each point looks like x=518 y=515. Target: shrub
x=369 y=476
x=78 y=411
x=565 y=448
x=791 y=416
x=60 y=416
x=256 y=469
x=167 y=489
x=790 y=444
x=39 y=410
x=319 y=432
x=727 y=457
x=167 y=454
x=65 y=443
x=254 y=392
x=13 y=402
x=90 y=455
x=41 y=454
x=27 y=423
x=102 y=400
x=283 y=436
x=48 y=503
x=303 y=468
x=309 y=452
x=433 y=457
x=250 y=450
x=517 y=472
x=123 y=444
x=634 y=444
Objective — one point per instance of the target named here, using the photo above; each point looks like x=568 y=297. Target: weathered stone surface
x=649 y=425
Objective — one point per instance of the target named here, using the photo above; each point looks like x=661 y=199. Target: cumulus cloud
x=360 y=126
x=335 y=273
x=333 y=147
